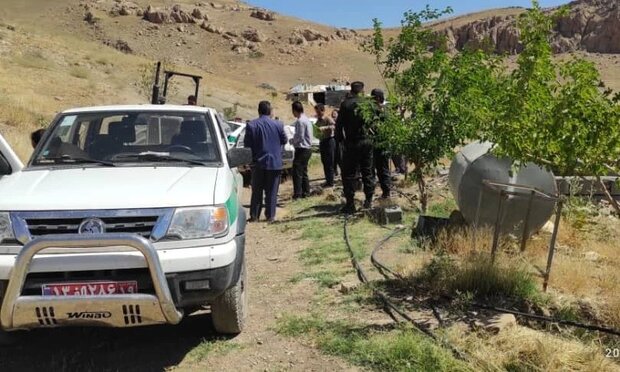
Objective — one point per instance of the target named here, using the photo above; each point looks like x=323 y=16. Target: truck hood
x=107 y=188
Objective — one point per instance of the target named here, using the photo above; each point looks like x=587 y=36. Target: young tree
x=436 y=100
x=555 y=114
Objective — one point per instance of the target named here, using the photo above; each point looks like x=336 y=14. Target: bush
x=478 y=275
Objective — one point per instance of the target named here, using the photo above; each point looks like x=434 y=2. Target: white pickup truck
x=124 y=216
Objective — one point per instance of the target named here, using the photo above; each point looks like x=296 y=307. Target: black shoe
x=348 y=209
x=386 y=195
x=252 y=219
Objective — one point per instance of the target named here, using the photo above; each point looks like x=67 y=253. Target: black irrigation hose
x=387 y=302
x=548 y=319
x=384 y=268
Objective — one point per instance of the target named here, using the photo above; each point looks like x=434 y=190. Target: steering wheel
x=180 y=148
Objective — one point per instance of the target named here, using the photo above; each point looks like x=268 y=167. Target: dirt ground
x=194 y=345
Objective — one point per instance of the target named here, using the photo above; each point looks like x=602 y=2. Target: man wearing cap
x=380 y=157
x=353 y=130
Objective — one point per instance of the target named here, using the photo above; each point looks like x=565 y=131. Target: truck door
x=9 y=162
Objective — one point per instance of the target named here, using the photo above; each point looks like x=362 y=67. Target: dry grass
x=18 y=140
x=33 y=60
x=586 y=266
x=79 y=72
x=523 y=349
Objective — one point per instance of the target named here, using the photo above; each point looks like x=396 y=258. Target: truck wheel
x=7 y=338
x=229 y=310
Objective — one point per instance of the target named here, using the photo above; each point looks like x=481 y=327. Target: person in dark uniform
x=326 y=128
x=265 y=137
x=380 y=157
x=354 y=132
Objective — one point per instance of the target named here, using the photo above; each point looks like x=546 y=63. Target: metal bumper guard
x=126 y=310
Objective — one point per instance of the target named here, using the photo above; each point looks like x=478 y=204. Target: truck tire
x=7 y=338
x=228 y=311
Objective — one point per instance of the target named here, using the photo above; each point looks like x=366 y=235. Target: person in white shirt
x=302 y=141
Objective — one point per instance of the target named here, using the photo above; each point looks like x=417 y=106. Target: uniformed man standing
x=265 y=137
x=354 y=132
x=380 y=157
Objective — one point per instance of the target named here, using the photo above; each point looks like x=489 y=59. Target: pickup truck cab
x=124 y=216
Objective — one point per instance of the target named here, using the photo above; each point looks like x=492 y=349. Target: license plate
x=89 y=288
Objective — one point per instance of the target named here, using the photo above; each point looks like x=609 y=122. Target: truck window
x=127 y=136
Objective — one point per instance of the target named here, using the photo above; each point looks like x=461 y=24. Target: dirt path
x=193 y=345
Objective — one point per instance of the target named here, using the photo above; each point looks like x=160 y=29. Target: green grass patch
x=442 y=209
x=400 y=349
x=211 y=347
x=325 y=278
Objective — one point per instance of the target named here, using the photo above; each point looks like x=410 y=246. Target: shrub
x=478 y=275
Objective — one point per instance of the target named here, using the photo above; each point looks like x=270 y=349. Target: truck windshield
x=113 y=138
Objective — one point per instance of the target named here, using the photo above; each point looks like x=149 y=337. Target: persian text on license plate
x=90 y=288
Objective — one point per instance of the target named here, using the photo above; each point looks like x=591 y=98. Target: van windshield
x=114 y=138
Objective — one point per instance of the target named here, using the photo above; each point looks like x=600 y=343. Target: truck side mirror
x=5 y=167
x=239 y=156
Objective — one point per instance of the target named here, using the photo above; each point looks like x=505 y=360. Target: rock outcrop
x=253 y=35
x=305 y=36
x=175 y=15
x=156 y=16
x=590 y=25
x=263 y=15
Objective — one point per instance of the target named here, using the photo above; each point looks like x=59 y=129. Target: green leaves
x=554 y=113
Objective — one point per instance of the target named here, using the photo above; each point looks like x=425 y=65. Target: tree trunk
x=610 y=198
x=419 y=178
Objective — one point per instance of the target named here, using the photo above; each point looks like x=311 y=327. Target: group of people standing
x=346 y=142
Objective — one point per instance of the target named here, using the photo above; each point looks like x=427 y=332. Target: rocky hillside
x=591 y=26
x=210 y=35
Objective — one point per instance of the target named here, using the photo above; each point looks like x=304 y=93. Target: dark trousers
x=382 y=168
x=400 y=163
x=301 y=182
x=358 y=155
x=328 y=158
x=338 y=158
x=265 y=183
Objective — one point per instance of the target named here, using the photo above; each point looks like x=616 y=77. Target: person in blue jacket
x=265 y=137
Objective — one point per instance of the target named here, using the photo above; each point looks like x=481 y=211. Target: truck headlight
x=6 y=229
x=198 y=223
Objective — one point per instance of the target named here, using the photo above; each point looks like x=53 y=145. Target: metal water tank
x=474 y=164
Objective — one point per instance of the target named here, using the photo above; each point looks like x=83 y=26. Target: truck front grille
x=142 y=225
x=149 y=223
